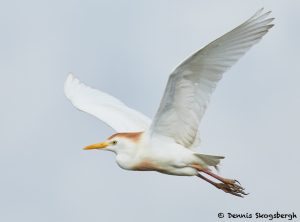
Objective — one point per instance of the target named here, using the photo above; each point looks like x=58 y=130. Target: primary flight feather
x=161 y=145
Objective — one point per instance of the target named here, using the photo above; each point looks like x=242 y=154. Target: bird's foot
x=231 y=186
x=227 y=185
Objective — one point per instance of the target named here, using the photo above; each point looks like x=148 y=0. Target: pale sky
x=128 y=49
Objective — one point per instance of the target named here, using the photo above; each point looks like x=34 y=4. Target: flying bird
x=166 y=143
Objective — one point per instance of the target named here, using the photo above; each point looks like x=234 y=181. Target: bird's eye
x=114 y=142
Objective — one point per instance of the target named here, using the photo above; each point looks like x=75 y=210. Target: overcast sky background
x=128 y=49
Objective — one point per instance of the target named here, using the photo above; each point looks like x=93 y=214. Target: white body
x=167 y=156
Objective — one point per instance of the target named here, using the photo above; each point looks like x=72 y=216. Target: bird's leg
x=207 y=180
x=227 y=185
x=224 y=180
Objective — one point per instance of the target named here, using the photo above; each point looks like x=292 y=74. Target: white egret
x=165 y=143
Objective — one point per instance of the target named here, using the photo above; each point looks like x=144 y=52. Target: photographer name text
x=268 y=216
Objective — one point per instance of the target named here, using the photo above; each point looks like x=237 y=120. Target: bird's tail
x=209 y=160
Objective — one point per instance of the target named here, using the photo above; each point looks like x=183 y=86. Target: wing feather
x=105 y=107
x=190 y=86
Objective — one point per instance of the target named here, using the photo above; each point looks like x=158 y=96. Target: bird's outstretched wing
x=105 y=107
x=191 y=84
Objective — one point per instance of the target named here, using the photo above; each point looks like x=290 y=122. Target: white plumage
x=161 y=145
x=105 y=107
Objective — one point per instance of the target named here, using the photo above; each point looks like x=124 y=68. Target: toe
x=233 y=189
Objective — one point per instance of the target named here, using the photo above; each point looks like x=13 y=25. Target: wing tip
x=259 y=15
x=70 y=80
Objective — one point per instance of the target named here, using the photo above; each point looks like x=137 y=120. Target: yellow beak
x=96 y=146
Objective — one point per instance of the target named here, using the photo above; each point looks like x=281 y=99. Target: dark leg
x=224 y=180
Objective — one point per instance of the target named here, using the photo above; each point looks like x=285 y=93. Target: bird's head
x=118 y=143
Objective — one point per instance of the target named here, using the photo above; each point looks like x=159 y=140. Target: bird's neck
x=125 y=160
